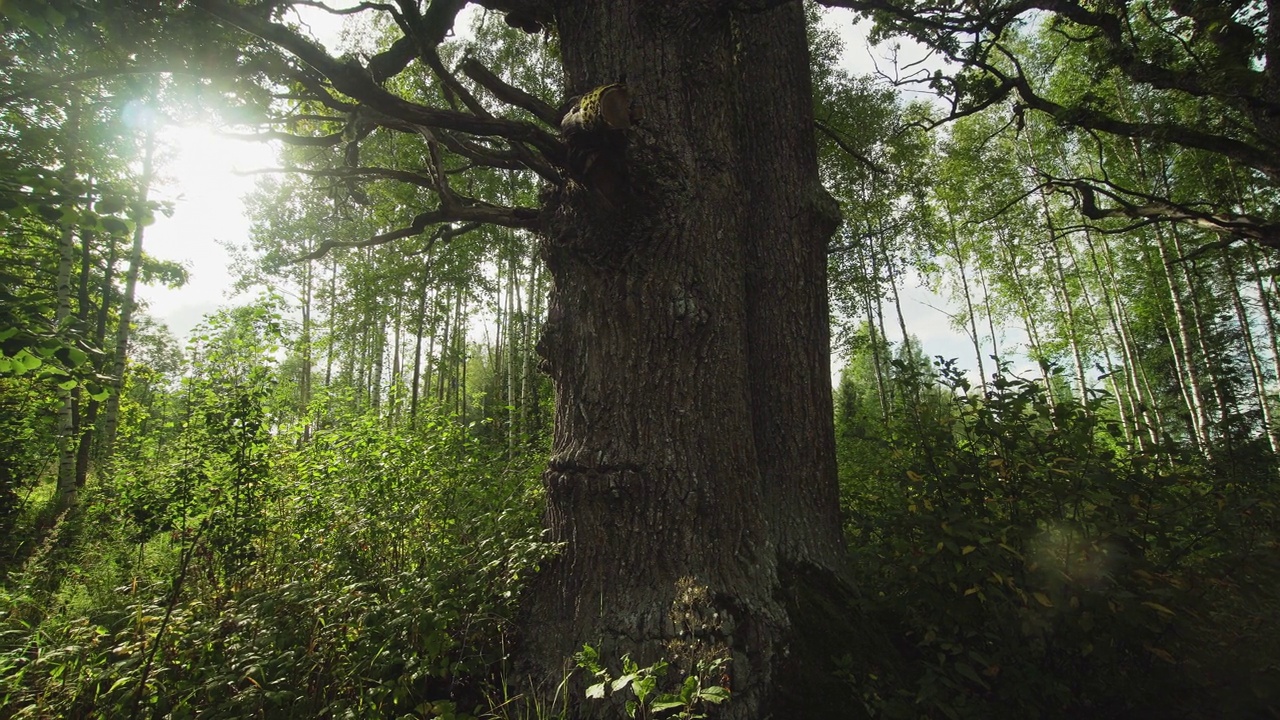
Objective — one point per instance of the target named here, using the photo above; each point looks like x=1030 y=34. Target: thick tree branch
x=392 y=61
x=540 y=11
x=481 y=213
x=320 y=93
x=1151 y=209
x=289 y=138
x=1086 y=118
x=517 y=158
x=1241 y=86
x=840 y=141
x=508 y=94
x=962 y=31
x=437 y=21
x=349 y=173
x=449 y=82
x=481 y=155
x=359 y=8
x=353 y=80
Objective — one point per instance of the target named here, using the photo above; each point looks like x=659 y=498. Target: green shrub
x=1033 y=565
x=381 y=582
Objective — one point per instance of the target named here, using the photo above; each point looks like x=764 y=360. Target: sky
x=206 y=192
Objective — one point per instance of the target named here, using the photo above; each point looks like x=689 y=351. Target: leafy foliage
x=239 y=572
x=647 y=700
x=1036 y=566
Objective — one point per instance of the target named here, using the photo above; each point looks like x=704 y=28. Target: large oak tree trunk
x=693 y=474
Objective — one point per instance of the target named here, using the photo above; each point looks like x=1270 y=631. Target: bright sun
x=199 y=179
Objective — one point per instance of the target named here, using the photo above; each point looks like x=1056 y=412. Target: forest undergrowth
x=1025 y=559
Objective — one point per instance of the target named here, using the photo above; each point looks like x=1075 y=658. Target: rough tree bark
x=693 y=473
x=692 y=476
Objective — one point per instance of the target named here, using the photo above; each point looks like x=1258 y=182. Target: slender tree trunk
x=876 y=342
x=513 y=292
x=908 y=352
x=1183 y=349
x=68 y=414
x=990 y=312
x=360 y=364
x=958 y=256
x=496 y=347
x=884 y=337
x=529 y=314
x=111 y=417
x=420 y=319
x=331 y=320
x=89 y=422
x=395 y=396
x=458 y=354
x=378 y=357
x=1024 y=293
x=1128 y=395
x=462 y=386
x=1189 y=376
x=304 y=383
x=1122 y=325
x=1200 y=318
x=1195 y=317
x=85 y=417
x=431 y=362
x=1268 y=314
x=1251 y=352
x=445 y=352
x=1068 y=304
x=693 y=470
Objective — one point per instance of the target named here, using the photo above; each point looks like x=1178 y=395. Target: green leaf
x=96 y=391
x=623 y=681
x=69 y=355
x=644 y=687
x=714 y=694
x=689 y=688
x=596 y=691
x=23 y=361
x=115 y=226
x=967 y=671
x=110 y=205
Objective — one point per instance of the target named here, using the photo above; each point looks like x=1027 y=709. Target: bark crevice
x=687 y=341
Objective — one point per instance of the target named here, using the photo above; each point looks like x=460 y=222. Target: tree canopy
x=1197 y=77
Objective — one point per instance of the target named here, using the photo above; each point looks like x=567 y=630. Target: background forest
x=326 y=501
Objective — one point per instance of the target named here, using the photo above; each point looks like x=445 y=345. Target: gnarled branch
x=1150 y=209
x=508 y=94
x=354 y=80
x=480 y=213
